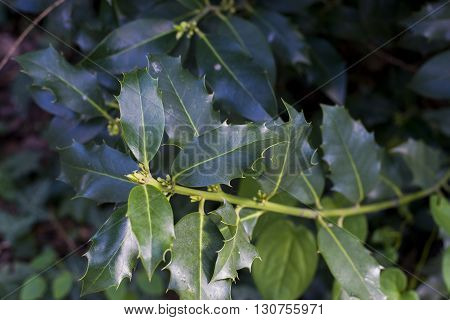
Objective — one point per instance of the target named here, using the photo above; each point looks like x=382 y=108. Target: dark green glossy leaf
x=440 y=209
x=73 y=87
x=394 y=177
x=188 y=106
x=352 y=266
x=288 y=261
x=193 y=256
x=151 y=220
x=112 y=255
x=127 y=47
x=97 y=173
x=240 y=85
x=237 y=251
x=289 y=166
x=430 y=81
x=424 y=162
x=328 y=68
x=286 y=41
x=62 y=285
x=393 y=283
x=141 y=114
x=250 y=38
x=61 y=133
x=221 y=155
x=351 y=153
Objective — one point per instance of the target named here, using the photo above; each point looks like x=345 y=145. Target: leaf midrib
x=215 y=157
x=122 y=51
x=235 y=78
x=144 y=134
x=73 y=87
x=347 y=256
x=352 y=162
x=112 y=257
x=196 y=131
x=97 y=172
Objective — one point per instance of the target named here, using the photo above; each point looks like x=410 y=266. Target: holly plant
x=176 y=119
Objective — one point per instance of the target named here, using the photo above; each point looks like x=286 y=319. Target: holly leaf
x=193 y=256
x=97 y=173
x=73 y=87
x=424 y=162
x=251 y=40
x=141 y=114
x=127 y=47
x=234 y=77
x=187 y=105
x=237 y=252
x=289 y=165
x=350 y=263
x=151 y=220
x=220 y=155
x=429 y=81
x=287 y=43
x=440 y=210
x=288 y=261
x=351 y=153
x=112 y=255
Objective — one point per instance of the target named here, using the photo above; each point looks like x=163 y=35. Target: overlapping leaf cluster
x=205 y=90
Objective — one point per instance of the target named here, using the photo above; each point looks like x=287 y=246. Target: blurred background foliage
x=44 y=232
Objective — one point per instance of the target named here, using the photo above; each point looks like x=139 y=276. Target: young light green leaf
x=351 y=152
x=288 y=44
x=446 y=268
x=237 y=252
x=73 y=87
x=97 y=173
x=240 y=85
x=393 y=284
x=193 y=255
x=357 y=272
x=33 y=288
x=127 y=47
x=187 y=105
x=141 y=114
x=424 y=162
x=112 y=255
x=429 y=81
x=288 y=261
x=62 y=285
x=151 y=220
x=440 y=209
x=288 y=165
x=220 y=155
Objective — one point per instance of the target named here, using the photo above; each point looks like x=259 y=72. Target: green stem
x=305 y=212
